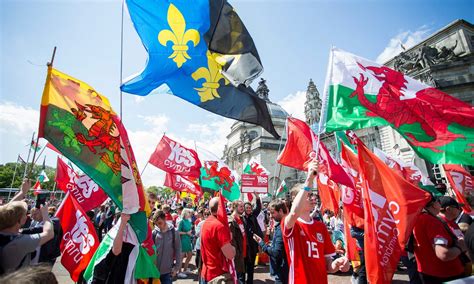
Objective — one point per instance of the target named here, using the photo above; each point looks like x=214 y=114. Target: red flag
x=391 y=205
x=326 y=188
x=461 y=182
x=64 y=174
x=172 y=157
x=79 y=241
x=182 y=184
x=222 y=217
x=50 y=146
x=351 y=245
x=82 y=188
x=352 y=196
x=37 y=188
x=300 y=150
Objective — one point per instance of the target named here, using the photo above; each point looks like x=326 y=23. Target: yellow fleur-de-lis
x=178 y=35
x=212 y=75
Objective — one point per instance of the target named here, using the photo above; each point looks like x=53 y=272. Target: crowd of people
x=301 y=243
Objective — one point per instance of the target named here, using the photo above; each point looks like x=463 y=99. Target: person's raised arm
x=296 y=207
x=25 y=186
x=258 y=208
x=118 y=241
x=48 y=229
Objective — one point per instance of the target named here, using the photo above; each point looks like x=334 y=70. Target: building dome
x=276 y=111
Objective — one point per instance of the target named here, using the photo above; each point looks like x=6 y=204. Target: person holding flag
x=216 y=247
x=307 y=241
x=437 y=251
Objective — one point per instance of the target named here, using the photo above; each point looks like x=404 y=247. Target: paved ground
x=261 y=276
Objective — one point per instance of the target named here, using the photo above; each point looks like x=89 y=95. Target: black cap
x=447 y=201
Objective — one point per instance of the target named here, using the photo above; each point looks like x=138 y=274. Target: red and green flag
x=82 y=125
x=255 y=168
x=282 y=190
x=440 y=128
x=35 y=146
x=217 y=176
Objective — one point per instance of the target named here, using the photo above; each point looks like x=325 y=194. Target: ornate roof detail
x=312 y=106
x=262 y=90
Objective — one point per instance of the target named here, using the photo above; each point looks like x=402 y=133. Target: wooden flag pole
x=52 y=58
x=49 y=64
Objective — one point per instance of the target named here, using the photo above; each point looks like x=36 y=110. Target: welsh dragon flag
x=362 y=94
x=282 y=190
x=255 y=168
x=216 y=175
x=82 y=125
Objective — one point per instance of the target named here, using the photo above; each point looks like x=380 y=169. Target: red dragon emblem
x=432 y=109
x=222 y=174
x=101 y=133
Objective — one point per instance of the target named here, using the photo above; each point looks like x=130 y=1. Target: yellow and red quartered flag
x=82 y=125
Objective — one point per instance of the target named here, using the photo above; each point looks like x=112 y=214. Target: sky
x=293 y=39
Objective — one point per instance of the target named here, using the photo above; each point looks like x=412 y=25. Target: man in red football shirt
x=215 y=246
x=437 y=251
x=307 y=242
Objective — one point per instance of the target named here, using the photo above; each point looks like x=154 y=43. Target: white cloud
x=144 y=143
x=211 y=137
x=139 y=99
x=18 y=120
x=407 y=38
x=294 y=104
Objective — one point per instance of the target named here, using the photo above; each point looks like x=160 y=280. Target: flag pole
x=279 y=152
x=13 y=179
x=39 y=155
x=49 y=64
x=325 y=102
x=149 y=159
x=28 y=157
x=121 y=61
x=14 y=173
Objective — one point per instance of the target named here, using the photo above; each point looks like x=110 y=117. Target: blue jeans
x=166 y=278
x=202 y=281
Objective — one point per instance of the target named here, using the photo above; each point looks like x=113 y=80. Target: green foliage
x=7 y=171
x=160 y=191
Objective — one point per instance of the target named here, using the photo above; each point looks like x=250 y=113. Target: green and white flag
x=361 y=94
x=140 y=265
x=282 y=190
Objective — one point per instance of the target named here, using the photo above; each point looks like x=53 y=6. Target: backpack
x=5 y=240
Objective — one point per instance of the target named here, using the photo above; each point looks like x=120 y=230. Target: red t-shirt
x=168 y=217
x=429 y=231
x=212 y=239
x=307 y=245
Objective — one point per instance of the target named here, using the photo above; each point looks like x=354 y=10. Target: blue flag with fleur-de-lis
x=205 y=55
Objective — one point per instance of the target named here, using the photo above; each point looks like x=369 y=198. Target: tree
x=7 y=171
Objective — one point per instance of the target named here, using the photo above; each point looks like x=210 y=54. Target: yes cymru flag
x=79 y=241
x=182 y=184
x=391 y=205
x=200 y=51
x=81 y=187
x=461 y=183
x=300 y=150
x=217 y=176
x=82 y=125
x=440 y=128
x=172 y=157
